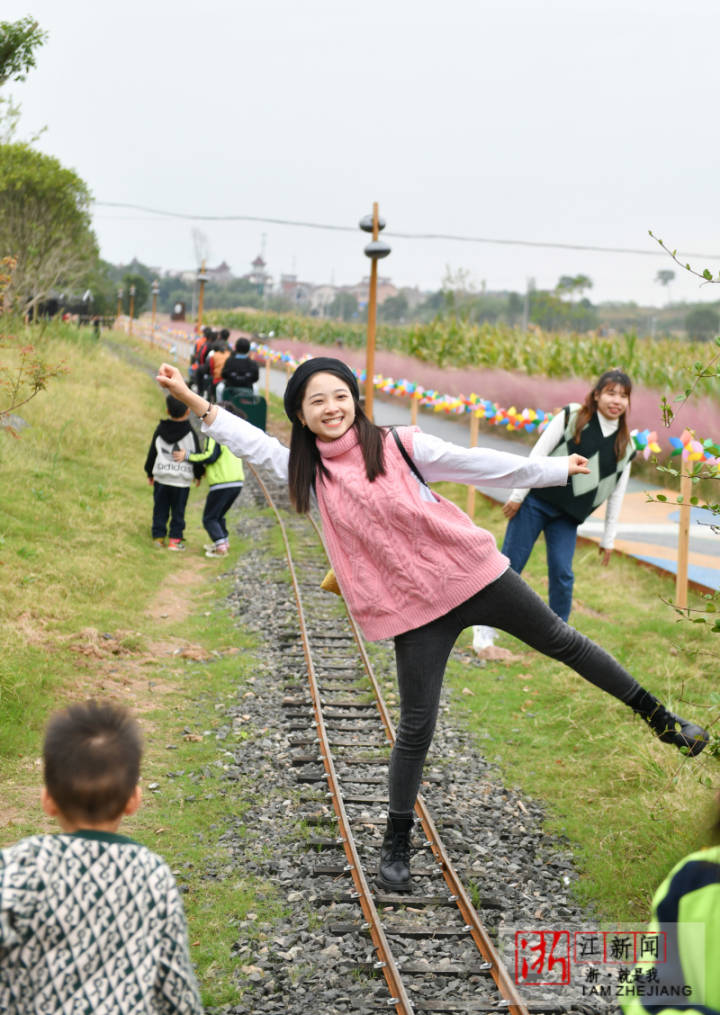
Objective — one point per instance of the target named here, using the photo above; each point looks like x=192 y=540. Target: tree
x=18 y=41
x=459 y=291
x=569 y=285
x=515 y=308
x=553 y=314
x=664 y=277
x=344 y=306
x=394 y=308
x=702 y=323
x=26 y=372
x=697 y=470
x=44 y=224
x=142 y=293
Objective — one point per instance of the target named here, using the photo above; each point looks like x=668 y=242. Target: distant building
x=321 y=297
x=220 y=274
x=299 y=293
x=414 y=296
x=385 y=289
x=258 y=276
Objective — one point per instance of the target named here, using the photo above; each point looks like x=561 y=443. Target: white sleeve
x=441 y=461
x=613 y=507
x=546 y=442
x=249 y=442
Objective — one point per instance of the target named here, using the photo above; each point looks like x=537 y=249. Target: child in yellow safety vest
x=225 y=477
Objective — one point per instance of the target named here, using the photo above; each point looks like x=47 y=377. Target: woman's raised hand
x=576 y=463
x=170 y=378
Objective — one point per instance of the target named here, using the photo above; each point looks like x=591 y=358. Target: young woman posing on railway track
x=411 y=565
x=596 y=429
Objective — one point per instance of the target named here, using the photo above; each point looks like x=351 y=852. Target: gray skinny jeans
x=421 y=656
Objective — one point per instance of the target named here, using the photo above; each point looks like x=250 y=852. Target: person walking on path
x=239 y=371
x=411 y=565
x=225 y=477
x=217 y=357
x=597 y=430
x=171 y=480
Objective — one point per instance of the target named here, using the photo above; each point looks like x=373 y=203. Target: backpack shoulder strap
x=411 y=464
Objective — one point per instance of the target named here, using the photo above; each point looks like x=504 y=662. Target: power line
x=399 y=235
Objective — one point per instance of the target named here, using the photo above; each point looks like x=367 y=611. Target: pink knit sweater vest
x=400 y=561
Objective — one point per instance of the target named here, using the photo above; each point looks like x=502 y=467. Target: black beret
x=316 y=365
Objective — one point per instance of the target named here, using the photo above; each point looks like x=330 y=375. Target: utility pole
x=375 y=250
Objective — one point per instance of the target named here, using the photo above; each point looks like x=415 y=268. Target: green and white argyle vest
x=583 y=493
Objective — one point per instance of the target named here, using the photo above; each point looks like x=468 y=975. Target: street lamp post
x=119 y=306
x=375 y=250
x=155 y=291
x=132 y=307
x=202 y=279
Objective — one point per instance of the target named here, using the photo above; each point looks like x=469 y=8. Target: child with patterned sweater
x=91 y=922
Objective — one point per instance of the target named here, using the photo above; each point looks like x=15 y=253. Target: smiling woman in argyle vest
x=598 y=430
x=582 y=494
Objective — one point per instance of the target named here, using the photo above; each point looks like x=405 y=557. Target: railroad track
x=433 y=947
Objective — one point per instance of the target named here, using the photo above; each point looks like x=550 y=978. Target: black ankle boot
x=667 y=726
x=394 y=873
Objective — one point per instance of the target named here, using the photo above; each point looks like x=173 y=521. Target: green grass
x=90 y=608
x=194 y=805
x=82 y=613
x=630 y=805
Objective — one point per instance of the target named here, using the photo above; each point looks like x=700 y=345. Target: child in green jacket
x=225 y=477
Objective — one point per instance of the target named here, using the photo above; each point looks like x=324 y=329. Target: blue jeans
x=169 y=502
x=217 y=505
x=536 y=516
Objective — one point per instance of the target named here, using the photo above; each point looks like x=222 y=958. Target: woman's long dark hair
x=589 y=407
x=306 y=464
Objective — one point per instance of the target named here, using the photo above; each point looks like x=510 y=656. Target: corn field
x=666 y=365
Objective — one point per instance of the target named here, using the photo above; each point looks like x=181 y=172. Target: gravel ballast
x=298 y=964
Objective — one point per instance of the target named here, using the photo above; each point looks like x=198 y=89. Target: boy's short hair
x=91 y=758
x=234 y=409
x=242 y=345
x=175 y=407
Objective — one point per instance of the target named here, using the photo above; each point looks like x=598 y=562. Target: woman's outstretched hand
x=170 y=378
x=576 y=463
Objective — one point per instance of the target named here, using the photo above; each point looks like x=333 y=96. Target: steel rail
x=484 y=944
x=386 y=961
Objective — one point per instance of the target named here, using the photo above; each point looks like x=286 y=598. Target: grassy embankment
x=631 y=805
x=89 y=607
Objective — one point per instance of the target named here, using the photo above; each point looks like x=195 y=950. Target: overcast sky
x=581 y=123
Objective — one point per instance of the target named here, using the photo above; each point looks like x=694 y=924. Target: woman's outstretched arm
x=243 y=438
x=170 y=378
